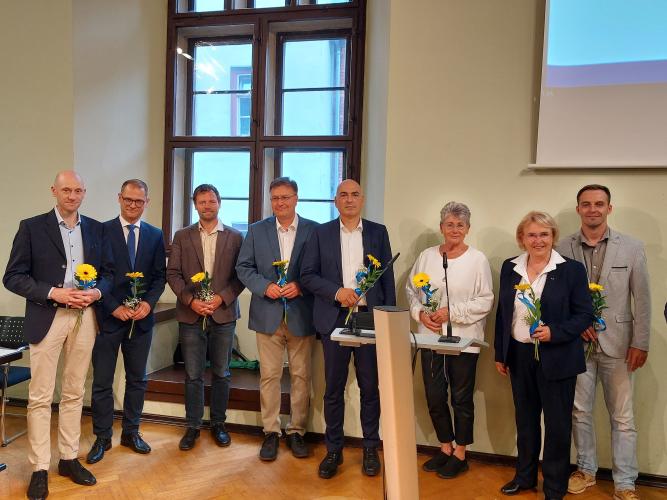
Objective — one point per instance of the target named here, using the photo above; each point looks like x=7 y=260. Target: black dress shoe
x=220 y=435
x=298 y=446
x=39 y=485
x=436 y=462
x=76 y=472
x=371 y=463
x=96 y=453
x=269 y=450
x=188 y=440
x=512 y=488
x=452 y=468
x=329 y=465
x=135 y=443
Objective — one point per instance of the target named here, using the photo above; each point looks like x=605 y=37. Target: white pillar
x=392 y=334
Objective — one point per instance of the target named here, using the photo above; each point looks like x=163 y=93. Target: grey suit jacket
x=624 y=277
x=187 y=259
x=255 y=270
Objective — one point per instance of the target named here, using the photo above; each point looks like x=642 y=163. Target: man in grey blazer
x=618 y=263
x=281 y=316
x=207 y=246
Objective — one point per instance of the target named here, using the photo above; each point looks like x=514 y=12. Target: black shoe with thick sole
x=371 y=462
x=298 y=446
x=329 y=465
x=269 y=450
x=452 y=468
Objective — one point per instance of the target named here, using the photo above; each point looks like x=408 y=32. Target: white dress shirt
x=126 y=231
x=520 y=330
x=208 y=243
x=352 y=255
x=286 y=238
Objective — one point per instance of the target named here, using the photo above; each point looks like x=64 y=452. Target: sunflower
x=594 y=287
x=523 y=287
x=86 y=272
x=135 y=275
x=374 y=262
x=420 y=280
x=199 y=277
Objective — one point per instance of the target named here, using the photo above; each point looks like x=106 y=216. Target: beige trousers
x=77 y=347
x=271 y=350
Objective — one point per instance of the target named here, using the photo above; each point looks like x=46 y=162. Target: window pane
x=229 y=172
x=222 y=67
x=317 y=173
x=314 y=64
x=317 y=211
x=262 y=4
x=221 y=114
x=320 y=112
x=200 y=5
x=322 y=2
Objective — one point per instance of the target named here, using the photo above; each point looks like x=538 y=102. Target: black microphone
x=449 y=338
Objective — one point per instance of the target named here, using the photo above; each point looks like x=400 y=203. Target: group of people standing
x=303 y=277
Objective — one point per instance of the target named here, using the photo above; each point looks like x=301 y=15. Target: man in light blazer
x=334 y=254
x=282 y=316
x=42 y=264
x=131 y=245
x=208 y=246
x=618 y=263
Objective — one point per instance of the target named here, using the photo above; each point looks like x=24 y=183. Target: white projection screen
x=604 y=84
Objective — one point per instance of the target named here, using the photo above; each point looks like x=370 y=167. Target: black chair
x=11 y=337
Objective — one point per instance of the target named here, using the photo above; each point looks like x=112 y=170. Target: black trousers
x=456 y=373
x=336 y=363
x=534 y=395
x=135 y=356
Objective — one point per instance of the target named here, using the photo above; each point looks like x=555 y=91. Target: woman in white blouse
x=470 y=301
x=542 y=358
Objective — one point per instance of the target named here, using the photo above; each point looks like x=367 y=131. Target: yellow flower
x=280 y=263
x=523 y=287
x=420 y=280
x=594 y=287
x=374 y=262
x=135 y=275
x=197 y=278
x=86 y=272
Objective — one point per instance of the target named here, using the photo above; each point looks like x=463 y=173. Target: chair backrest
x=11 y=332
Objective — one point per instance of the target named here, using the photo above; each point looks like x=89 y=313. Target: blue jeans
x=218 y=339
x=617 y=389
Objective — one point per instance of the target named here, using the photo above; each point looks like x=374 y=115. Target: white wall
x=460 y=126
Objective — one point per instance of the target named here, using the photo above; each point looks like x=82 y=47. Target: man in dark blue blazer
x=46 y=252
x=282 y=316
x=334 y=254
x=131 y=246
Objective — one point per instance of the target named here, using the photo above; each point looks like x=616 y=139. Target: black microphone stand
x=449 y=338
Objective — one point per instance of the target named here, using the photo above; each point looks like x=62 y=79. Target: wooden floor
x=236 y=473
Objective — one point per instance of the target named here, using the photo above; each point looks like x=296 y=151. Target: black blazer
x=567 y=309
x=37 y=263
x=150 y=260
x=322 y=275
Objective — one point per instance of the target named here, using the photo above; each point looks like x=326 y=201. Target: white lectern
x=393 y=343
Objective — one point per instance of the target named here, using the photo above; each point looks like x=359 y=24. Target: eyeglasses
x=131 y=201
x=450 y=227
x=285 y=197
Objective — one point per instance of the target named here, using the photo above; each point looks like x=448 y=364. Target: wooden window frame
x=258 y=141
